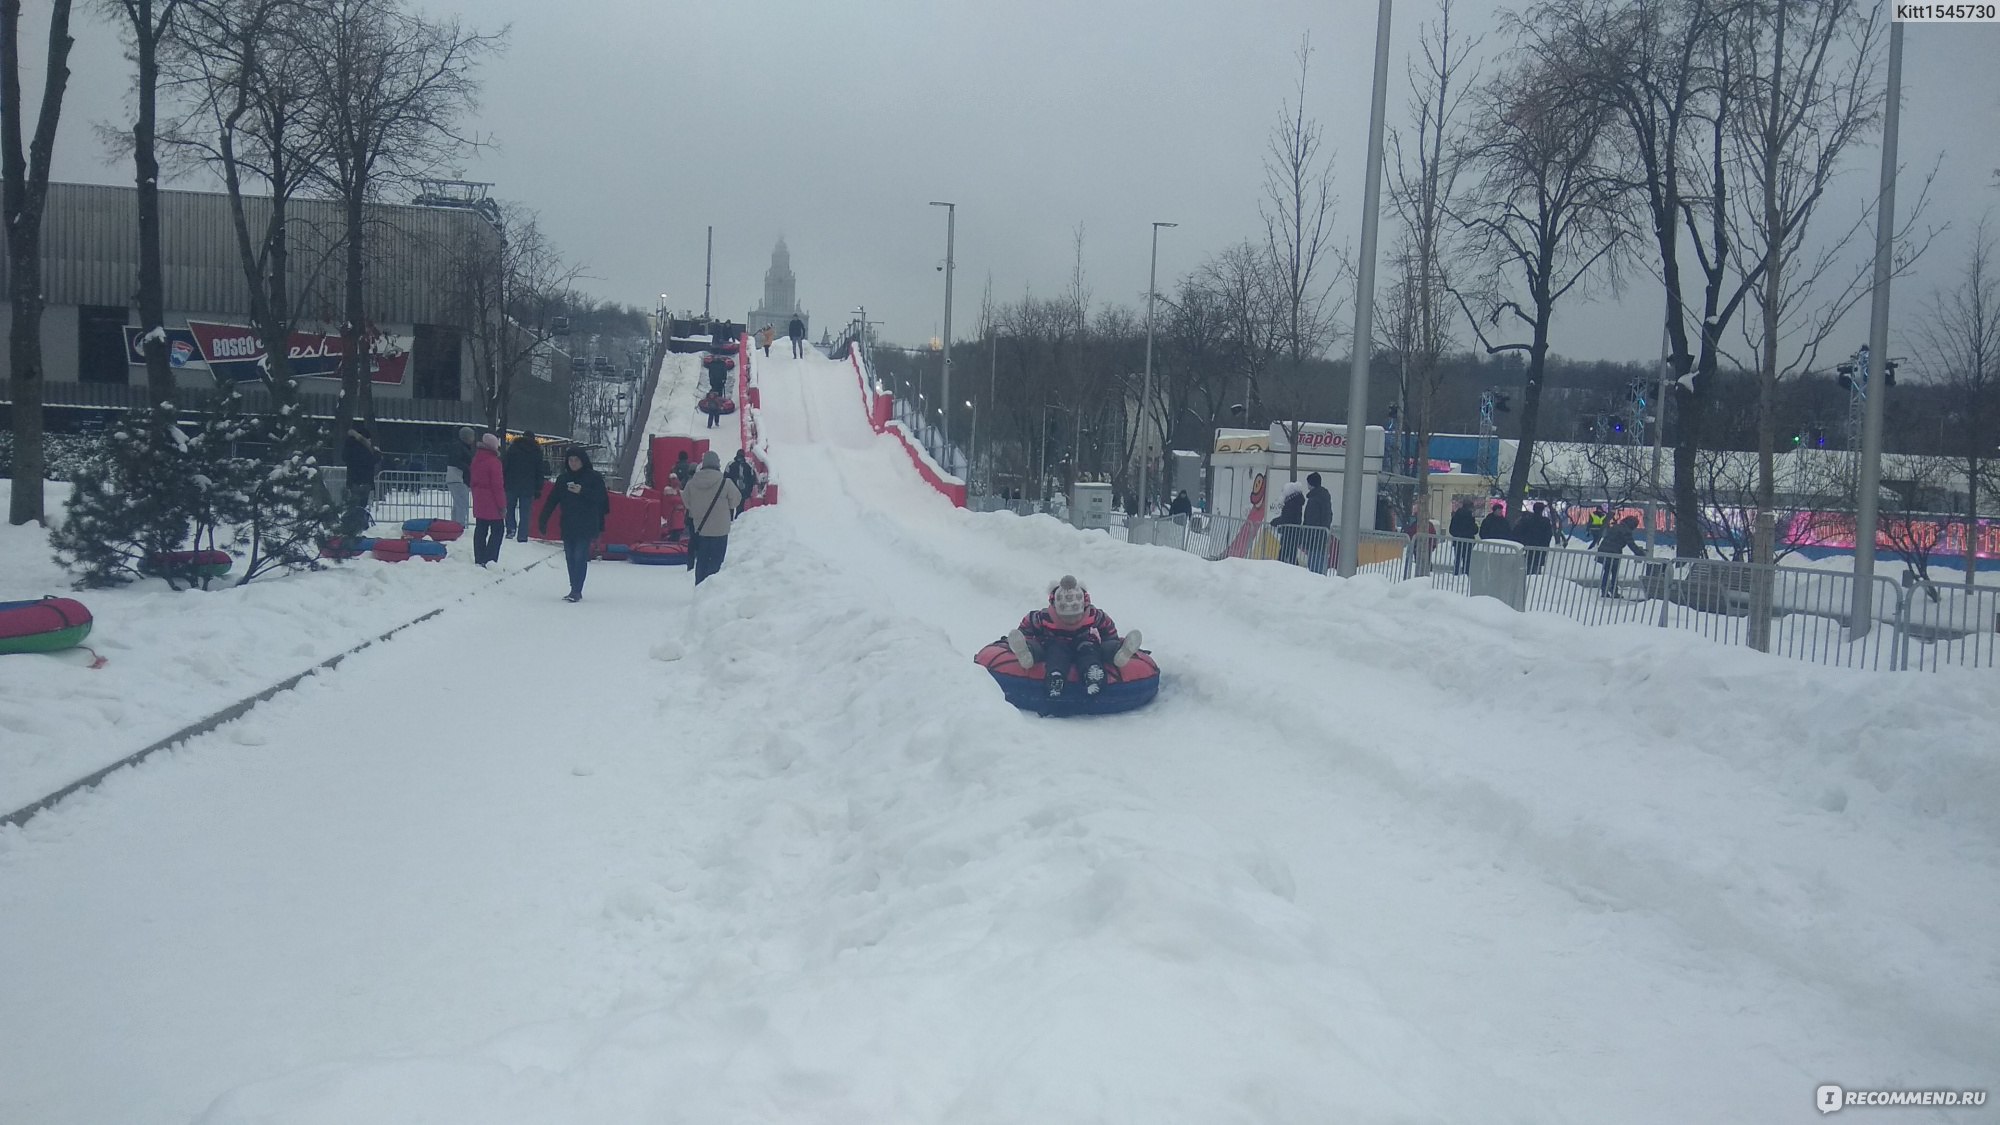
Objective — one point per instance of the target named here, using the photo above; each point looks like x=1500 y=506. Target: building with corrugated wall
x=422 y=363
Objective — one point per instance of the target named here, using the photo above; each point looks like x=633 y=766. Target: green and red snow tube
x=44 y=625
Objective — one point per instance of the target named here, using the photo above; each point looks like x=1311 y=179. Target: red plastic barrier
x=633 y=519
x=668 y=448
x=880 y=409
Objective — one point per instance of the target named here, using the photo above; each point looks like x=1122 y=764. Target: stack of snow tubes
x=346 y=547
x=44 y=625
x=440 y=531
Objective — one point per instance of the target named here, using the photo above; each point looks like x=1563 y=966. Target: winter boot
x=1018 y=645
x=1125 y=650
x=1093 y=679
x=1055 y=682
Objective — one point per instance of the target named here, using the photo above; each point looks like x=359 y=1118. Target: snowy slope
x=779 y=852
x=682 y=383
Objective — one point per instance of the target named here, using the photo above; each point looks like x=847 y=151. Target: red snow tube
x=391 y=550
x=722 y=405
x=342 y=547
x=44 y=625
x=442 y=531
x=659 y=554
x=1125 y=689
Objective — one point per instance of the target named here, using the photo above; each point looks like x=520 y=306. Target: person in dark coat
x=1536 y=533
x=1463 y=529
x=683 y=469
x=718 y=374
x=1182 y=508
x=742 y=474
x=1611 y=548
x=525 y=470
x=580 y=495
x=1318 y=514
x=797 y=331
x=363 y=460
x=1291 y=512
x=1495 y=525
x=711 y=405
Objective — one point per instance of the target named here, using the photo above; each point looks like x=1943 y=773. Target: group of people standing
x=1305 y=523
x=496 y=490
x=1536 y=532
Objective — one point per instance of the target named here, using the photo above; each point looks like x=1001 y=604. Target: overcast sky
x=631 y=125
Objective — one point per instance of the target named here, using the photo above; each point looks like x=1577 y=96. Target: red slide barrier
x=879 y=408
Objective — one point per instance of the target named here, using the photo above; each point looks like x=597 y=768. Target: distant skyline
x=631 y=129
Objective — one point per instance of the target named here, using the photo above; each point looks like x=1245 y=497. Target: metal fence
x=398 y=495
x=1919 y=625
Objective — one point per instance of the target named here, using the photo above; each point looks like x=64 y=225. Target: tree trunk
x=1971 y=518
x=146 y=173
x=1531 y=411
x=26 y=184
x=356 y=399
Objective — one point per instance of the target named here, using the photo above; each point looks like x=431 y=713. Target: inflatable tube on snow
x=659 y=554
x=342 y=547
x=391 y=550
x=618 y=552
x=723 y=406
x=1125 y=689
x=198 y=564
x=424 y=549
x=44 y=625
x=442 y=531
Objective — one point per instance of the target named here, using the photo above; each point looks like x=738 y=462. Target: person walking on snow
x=743 y=475
x=489 y=500
x=764 y=336
x=711 y=405
x=579 y=494
x=797 y=331
x=525 y=471
x=1071 y=634
x=457 y=470
x=1611 y=548
x=712 y=501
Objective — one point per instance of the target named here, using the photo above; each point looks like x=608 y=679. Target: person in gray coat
x=712 y=500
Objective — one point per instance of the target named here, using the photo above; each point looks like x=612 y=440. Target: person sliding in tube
x=1071 y=633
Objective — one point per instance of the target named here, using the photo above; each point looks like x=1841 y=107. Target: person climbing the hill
x=488 y=481
x=764 y=336
x=742 y=474
x=712 y=501
x=526 y=471
x=797 y=331
x=1071 y=635
x=711 y=405
x=580 y=495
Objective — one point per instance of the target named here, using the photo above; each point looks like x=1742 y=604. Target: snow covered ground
x=777 y=851
x=174 y=657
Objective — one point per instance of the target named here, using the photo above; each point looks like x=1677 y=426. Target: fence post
x=1899 y=655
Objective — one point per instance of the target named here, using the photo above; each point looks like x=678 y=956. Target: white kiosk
x=1252 y=467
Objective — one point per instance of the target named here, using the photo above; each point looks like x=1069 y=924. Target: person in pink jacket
x=489 y=500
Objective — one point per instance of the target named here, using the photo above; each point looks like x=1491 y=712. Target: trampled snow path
x=1378 y=854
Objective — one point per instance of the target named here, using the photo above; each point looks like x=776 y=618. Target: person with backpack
x=1611 y=548
x=712 y=501
x=743 y=475
x=797 y=331
x=525 y=471
x=580 y=496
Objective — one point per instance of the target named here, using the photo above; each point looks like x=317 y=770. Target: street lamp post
x=972 y=443
x=1867 y=502
x=1146 y=384
x=1364 y=311
x=950 y=264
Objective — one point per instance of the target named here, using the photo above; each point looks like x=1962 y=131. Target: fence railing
x=1796 y=612
x=398 y=495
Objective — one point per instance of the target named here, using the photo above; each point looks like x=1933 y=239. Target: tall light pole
x=950 y=240
x=1146 y=384
x=972 y=443
x=1867 y=511
x=1364 y=312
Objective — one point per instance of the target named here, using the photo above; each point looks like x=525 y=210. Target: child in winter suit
x=1071 y=635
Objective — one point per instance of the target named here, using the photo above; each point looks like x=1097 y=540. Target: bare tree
x=244 y=113
x=1298 y=214
x=389 y=87
x=1423 y=185
x=510 y=289
x=1542 y=213
x=1958 y=341
x=147 y=24
x=26 y=179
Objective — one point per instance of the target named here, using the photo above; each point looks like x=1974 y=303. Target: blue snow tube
x=426 y=550
x=1125 y=689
